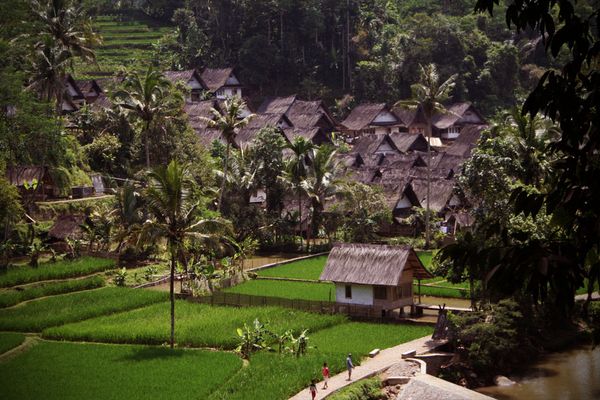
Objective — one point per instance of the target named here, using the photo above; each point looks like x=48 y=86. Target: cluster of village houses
x=388 y=146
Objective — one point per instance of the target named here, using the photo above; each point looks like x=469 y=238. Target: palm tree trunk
x=427 y=211
x=300 y=214
x=147 y=144
x=172 y=296
x=224 y=177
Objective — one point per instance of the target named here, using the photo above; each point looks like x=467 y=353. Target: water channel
x=573 y=374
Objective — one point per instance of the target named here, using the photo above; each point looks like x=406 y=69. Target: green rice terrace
x=127 y=40
x=79 y=336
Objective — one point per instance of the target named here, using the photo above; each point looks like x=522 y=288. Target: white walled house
x=371 y=118
x=379 y=276
x=222 y=82
x=192 y=81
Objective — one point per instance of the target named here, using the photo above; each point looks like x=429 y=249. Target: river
x=573 y=374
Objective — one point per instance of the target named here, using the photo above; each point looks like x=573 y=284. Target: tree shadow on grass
x=153 y=353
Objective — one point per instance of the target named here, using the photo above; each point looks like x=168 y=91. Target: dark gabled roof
x=75 y=86
x=403 y=161
x=409 y=116
x=370 y=264
x=466 y=141
x=444 y=160
x=276 y=105
x=185 y=76
x=420 y=172
x=19 y=175
x=367 y=145
x=88 y=86
x=364 y=174
x=304 y=113
x=102 y=102
x=406 y=142
x=197 y=111
x=67 y=226
x=216 y=78
x=363 y=115
x=109 y=84
x=310 y=134
x=441 y=192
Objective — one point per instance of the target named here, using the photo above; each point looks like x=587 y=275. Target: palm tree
x=428 y=95
x=295 y=170
x=65 y=34
x=320 y=182
x=229 y=123
x=148 y=98
x=175 y=216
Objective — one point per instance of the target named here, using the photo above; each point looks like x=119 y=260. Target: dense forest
x=369 y=49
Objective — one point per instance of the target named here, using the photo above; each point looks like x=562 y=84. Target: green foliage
x=11 y=210
x=128 y=371
x=10 y=340
x=83 y=206
x=120 y=277
x=286 y=290
x=36 y=315
x=198 y=325
x=10 y=297
x=491 y=341
x=58 y=270
x=303 y=269
x=366 y=389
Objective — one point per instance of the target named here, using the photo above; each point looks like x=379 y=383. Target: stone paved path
x=371 y=366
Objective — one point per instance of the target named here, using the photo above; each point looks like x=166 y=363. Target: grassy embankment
x=58 y=270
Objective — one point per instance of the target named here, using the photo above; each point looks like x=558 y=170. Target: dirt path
x=23 y=347
x=371 y=366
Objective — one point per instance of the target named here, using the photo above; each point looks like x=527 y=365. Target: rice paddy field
x=197 y=325
x=9 y=340
x=57 y=270
x=36 y=315
x=15 y=295
x=310 y=268
x=127 y=41
x=92 y=371
x=286 y=289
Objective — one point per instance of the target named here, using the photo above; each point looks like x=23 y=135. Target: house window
x=380 y=292
x=348 y=291
x=195 y=96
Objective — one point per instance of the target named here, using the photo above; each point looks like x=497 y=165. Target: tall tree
x=320 y=182
x=296 y=168
x=147 y=98
x=176 y=217
x=229 y=123
x=428 y=95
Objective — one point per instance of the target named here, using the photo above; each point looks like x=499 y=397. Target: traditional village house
x=445 y=126
x=260 y=121
x=377 y=276
x=23 y=176
x=191 y=79
x=371 y=119
x=222 y=82
x=90 y=89
x=197 y=112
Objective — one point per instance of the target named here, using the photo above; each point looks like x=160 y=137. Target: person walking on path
x=313 y=390
x=349 y=365
x=325 y=375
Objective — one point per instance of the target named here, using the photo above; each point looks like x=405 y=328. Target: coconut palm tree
x=229 y=122
x=49 y=73
x=175 y=217
x=148 y=98
x=295 y=170
x=428 y=95
x=67 y=26
x=320 y=182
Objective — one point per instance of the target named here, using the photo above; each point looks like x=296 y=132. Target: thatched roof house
x=67 y=226
x=192 y=80
x=371 y=118
x=223 y=82
x=374 y=275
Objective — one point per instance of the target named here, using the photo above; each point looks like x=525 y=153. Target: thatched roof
x=314 y=135
x=310 y=114
x=276 y=105
x=406 y=142
x=102 y=102
x=67 y=226
x=185 y=76
x=196 y=111
x=363 y=115
x=216 y=78
x=369 y=264
x=466 y=141
x=441 y=192
x=19 y=175
x=367 y=145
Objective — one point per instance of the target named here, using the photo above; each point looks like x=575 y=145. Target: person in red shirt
x=313 y=389
x=325 y=375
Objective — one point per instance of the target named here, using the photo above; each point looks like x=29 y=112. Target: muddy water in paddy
x=573 y=374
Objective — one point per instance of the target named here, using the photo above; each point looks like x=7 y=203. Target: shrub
x=367 y=389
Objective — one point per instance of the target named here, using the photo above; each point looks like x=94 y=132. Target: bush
x=367 y=389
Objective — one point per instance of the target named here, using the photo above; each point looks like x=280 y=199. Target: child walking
x=313 y=390
x=325 y=375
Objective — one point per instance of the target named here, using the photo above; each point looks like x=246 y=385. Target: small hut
x=374 y=275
